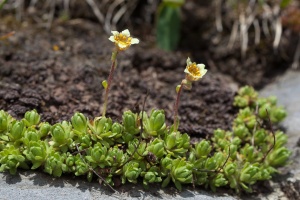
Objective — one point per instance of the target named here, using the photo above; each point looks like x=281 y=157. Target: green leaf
x=168 y=27
x=166 y=182
x=178 y=185
x=285 y=3
x=174 y=3
x=2 y=4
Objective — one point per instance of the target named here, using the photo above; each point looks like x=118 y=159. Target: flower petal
x=126 y=32
x=203 y=72
x=122 y=45
x=135 y=41
x=186 y=71
x=201 y=66
x=115 y=32
x=112 y=38
x=188 y=61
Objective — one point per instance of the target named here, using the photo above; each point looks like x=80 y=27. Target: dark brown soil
x=60 y=83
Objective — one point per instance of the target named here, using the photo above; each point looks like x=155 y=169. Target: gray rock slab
x=32 y=185
x=287 y=90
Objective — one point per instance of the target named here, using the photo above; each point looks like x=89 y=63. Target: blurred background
x=251 y=40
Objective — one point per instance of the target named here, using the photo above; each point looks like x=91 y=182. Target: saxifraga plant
x=143 y=147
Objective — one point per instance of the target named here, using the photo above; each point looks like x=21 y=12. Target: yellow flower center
x=123 y=40
x=194 y=70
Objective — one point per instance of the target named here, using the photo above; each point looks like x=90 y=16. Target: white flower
x=123 y=40
x=194 y=71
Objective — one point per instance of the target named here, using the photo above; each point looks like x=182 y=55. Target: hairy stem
x=176 y=105
x=109 y=80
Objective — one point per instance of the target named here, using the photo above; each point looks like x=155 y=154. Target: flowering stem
x=110 y=77
x=176 y=105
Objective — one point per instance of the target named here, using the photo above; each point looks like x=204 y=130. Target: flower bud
x=178 y=88
x=104 y=84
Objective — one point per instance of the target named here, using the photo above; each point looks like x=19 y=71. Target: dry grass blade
x=233 y=35
x=265 y=18
x=109 y=14
x=243 y=34
x=296 y=59
x=51 y=14
x=219 y=25
x=257 y=31
x=96 y=10
x=278 y=27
